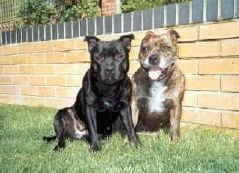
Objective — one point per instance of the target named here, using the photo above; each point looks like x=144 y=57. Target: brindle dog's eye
x=144 y=48
x=167 y=48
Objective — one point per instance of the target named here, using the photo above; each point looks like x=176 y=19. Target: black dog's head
x=109 y=59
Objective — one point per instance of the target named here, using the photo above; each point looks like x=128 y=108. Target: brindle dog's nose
x=153 y=59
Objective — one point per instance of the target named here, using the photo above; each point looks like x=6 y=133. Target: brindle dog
x=158 y=85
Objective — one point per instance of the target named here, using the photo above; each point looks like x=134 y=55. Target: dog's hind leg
x=61 y=142
x=59 y=126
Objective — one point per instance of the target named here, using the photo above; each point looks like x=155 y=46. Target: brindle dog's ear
x=174 y=36
x=92 y=41
x=126 y=41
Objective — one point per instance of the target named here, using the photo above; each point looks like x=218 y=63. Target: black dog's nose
x=109 y=68
x=153 y=59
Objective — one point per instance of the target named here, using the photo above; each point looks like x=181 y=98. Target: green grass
x=204 y=150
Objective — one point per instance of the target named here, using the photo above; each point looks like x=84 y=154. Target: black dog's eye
x=118 y=57
x=100 y=58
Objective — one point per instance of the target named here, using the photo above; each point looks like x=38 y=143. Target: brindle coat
x=157 y=103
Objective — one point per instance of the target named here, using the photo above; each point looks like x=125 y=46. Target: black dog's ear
x=126 y=41
x=92 y=41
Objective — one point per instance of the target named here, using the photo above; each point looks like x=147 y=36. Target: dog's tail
x=49 y=138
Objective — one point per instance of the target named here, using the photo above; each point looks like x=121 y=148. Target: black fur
x=102 y=105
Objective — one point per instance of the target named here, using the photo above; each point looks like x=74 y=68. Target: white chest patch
x=157 y=97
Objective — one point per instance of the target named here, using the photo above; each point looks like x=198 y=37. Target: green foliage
x=72 y=11
x=35 y=12
x=133 y=5
x=91 y=8
x=68 y=13
x=22 y=149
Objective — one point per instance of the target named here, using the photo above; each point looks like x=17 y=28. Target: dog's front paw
x=137 y=142
x=134 y=140
x=95 y=146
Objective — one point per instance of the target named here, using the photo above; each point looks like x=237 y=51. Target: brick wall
x=50 y=73
x=45 y=65
x=108 y=7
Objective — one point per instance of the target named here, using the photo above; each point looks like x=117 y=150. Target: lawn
x=23 y=150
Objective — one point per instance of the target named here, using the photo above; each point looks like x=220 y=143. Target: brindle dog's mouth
x=157 y=73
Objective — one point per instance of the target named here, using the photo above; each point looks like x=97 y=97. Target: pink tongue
x=154 y=73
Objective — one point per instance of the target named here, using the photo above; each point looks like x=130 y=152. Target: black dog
x=102 y=105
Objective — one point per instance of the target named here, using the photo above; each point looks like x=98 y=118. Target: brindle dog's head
x=158 y=54
x=109 y=59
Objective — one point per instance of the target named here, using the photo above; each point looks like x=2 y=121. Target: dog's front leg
x=92 y=125
x=175 y=116
x=126 y=117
